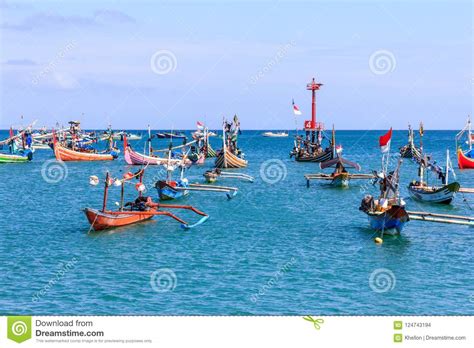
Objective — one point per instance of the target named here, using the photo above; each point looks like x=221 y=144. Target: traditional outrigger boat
x=410 y=150
x=230 y=156
x=141 y=209
x=340 y=177
x=19 y=147
x=421 y=191
x=170 y=189
x=465 y=158
x=311 y=149
x=65 y=154
x=386 y=214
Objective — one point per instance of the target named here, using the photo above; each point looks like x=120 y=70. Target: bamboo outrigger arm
x=442 y=218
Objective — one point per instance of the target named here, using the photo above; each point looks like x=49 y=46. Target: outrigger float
x=216 y=173
x=310 y=149
x=141 y=209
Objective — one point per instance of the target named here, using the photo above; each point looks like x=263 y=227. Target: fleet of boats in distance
x=386 y=212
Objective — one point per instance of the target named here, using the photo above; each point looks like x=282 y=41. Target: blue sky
x=171 y=63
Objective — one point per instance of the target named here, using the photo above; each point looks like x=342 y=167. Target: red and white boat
x=465 y=158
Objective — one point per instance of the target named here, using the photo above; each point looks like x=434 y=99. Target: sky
x=171 y=63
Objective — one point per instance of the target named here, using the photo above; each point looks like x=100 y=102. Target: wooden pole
x=122 y=191
x=106 y=191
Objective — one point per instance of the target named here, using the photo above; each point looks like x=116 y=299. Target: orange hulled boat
x=141 y=209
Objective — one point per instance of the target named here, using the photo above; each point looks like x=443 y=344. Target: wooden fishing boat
x=12 y=158
x=311 y=148
x=410 y=150
x=143 y=208
x=465 y=157
x=134 y=158
x=275 y=134
x=172 y=189
x=18 y=149
x=210 y=152
x=340 y=177
x=386 y=214
x=64 y=154
x=421 y=191
x=226 y=159
x=230 y=156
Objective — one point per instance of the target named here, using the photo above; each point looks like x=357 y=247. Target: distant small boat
x=275 y=135
x=171 y=135
x=130 y=136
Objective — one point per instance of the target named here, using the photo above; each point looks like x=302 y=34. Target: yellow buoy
x=378 y=240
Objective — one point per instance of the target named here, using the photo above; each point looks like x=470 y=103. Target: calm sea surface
x=276 y=248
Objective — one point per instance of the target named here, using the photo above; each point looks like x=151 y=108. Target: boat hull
x=443 y=195
x=390 y=222
x=66 y=155
x=101 y=220
x=341 y=180
x=325 y=156
x=167 y=191
x=225 y=159
x=464 y=161
x=410 y=151
x=135 y=158
x=9 y=158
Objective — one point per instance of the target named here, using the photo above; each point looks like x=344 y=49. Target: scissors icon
x=316 y=322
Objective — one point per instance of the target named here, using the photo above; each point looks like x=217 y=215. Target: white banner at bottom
x=213 y=331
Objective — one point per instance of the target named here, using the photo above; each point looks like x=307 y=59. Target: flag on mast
x=200 y=125
x=296 y=110
x=384 y=141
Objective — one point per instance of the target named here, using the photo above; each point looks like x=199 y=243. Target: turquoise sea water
x=276 y=248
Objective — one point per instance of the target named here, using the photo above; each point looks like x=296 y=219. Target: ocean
x=276 y=248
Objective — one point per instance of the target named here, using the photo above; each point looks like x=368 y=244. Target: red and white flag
x=384 y=141
x=296 y=110
x=200 y=125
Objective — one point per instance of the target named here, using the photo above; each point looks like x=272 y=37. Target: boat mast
x=447 y=168
x=149 y=140
x=224 y=143
x=106 y=191
x=469 y=132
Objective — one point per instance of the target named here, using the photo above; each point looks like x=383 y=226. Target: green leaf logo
x=19 y=328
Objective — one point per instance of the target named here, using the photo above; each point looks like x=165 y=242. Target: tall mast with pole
x=313 y=86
